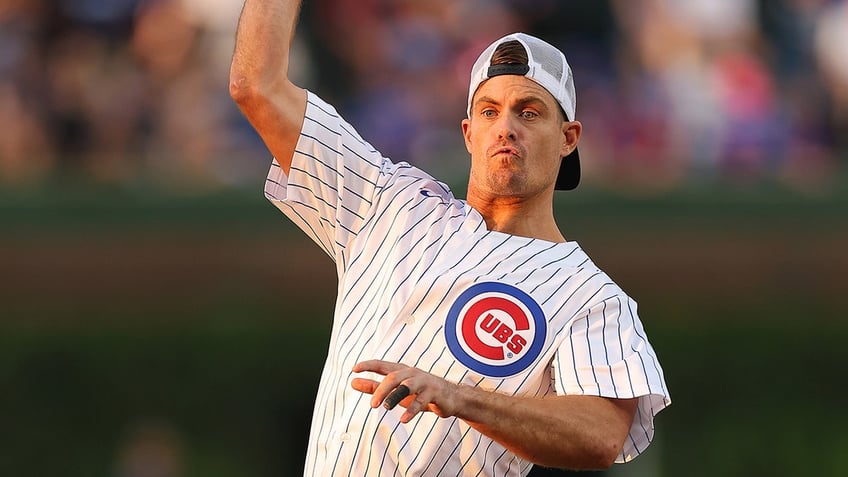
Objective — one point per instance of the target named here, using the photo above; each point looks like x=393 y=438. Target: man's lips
x=498 y=150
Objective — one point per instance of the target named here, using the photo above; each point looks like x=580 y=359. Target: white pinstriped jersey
x=424 y=283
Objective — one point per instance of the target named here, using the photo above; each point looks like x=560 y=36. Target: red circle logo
x=495 y=319
x=495 y=329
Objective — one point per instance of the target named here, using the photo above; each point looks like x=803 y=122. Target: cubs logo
x=495 y=329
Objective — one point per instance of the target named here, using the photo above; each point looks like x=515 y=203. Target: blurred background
x=158 y=318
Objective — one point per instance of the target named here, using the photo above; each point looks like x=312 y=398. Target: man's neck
x=517 y=216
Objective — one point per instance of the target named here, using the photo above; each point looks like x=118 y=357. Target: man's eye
x=488 y=113
x=527 y=114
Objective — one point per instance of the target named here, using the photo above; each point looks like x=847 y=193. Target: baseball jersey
x=421 y=281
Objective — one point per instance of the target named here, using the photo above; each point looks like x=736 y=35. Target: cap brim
x=569 y=172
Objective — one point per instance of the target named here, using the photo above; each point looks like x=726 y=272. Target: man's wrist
x=469 y=402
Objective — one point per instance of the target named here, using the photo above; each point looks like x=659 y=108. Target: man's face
x=516 y=137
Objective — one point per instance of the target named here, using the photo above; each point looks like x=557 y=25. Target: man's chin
x=507 y=184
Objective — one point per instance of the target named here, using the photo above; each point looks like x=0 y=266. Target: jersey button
x=344 y=437
x=410 y=320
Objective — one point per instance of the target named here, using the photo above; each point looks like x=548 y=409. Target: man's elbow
x=250 y=85
x=600 y=455
x=605 y=453
x=607 y=459
x=242 y=90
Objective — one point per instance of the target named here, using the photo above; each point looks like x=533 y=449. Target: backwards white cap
x=546 y=66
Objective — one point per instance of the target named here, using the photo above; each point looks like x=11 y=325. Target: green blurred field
x=206 y=320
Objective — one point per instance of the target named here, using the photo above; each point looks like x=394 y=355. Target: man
x=505 y=345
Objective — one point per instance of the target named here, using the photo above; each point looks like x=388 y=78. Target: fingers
x=364 y=385
x=398 y=395
x=394 y=373
x=377 y=366
x=413 y=402
x=419 y=404
x=390 y=384
x=413 y=389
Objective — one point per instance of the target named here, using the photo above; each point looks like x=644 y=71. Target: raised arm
x=259 y=81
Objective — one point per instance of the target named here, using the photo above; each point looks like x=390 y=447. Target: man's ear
x=466 y=133
x=571 y=131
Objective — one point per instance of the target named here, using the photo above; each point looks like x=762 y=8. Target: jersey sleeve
x=333 y=182
x=607 y=354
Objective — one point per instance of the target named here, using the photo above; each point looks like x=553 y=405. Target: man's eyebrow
x=532 y=99
x=486 y=99
x=529 y=99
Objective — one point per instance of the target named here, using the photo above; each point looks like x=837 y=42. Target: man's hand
x=576 y=432
x=427 y=392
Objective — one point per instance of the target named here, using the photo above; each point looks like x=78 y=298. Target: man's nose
x=506 y=127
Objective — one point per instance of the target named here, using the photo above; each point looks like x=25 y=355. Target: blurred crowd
x=671 y=92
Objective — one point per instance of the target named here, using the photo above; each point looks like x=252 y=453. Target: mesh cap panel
x=551 y=60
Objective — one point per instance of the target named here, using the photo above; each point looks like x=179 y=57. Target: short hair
x=510 y=53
